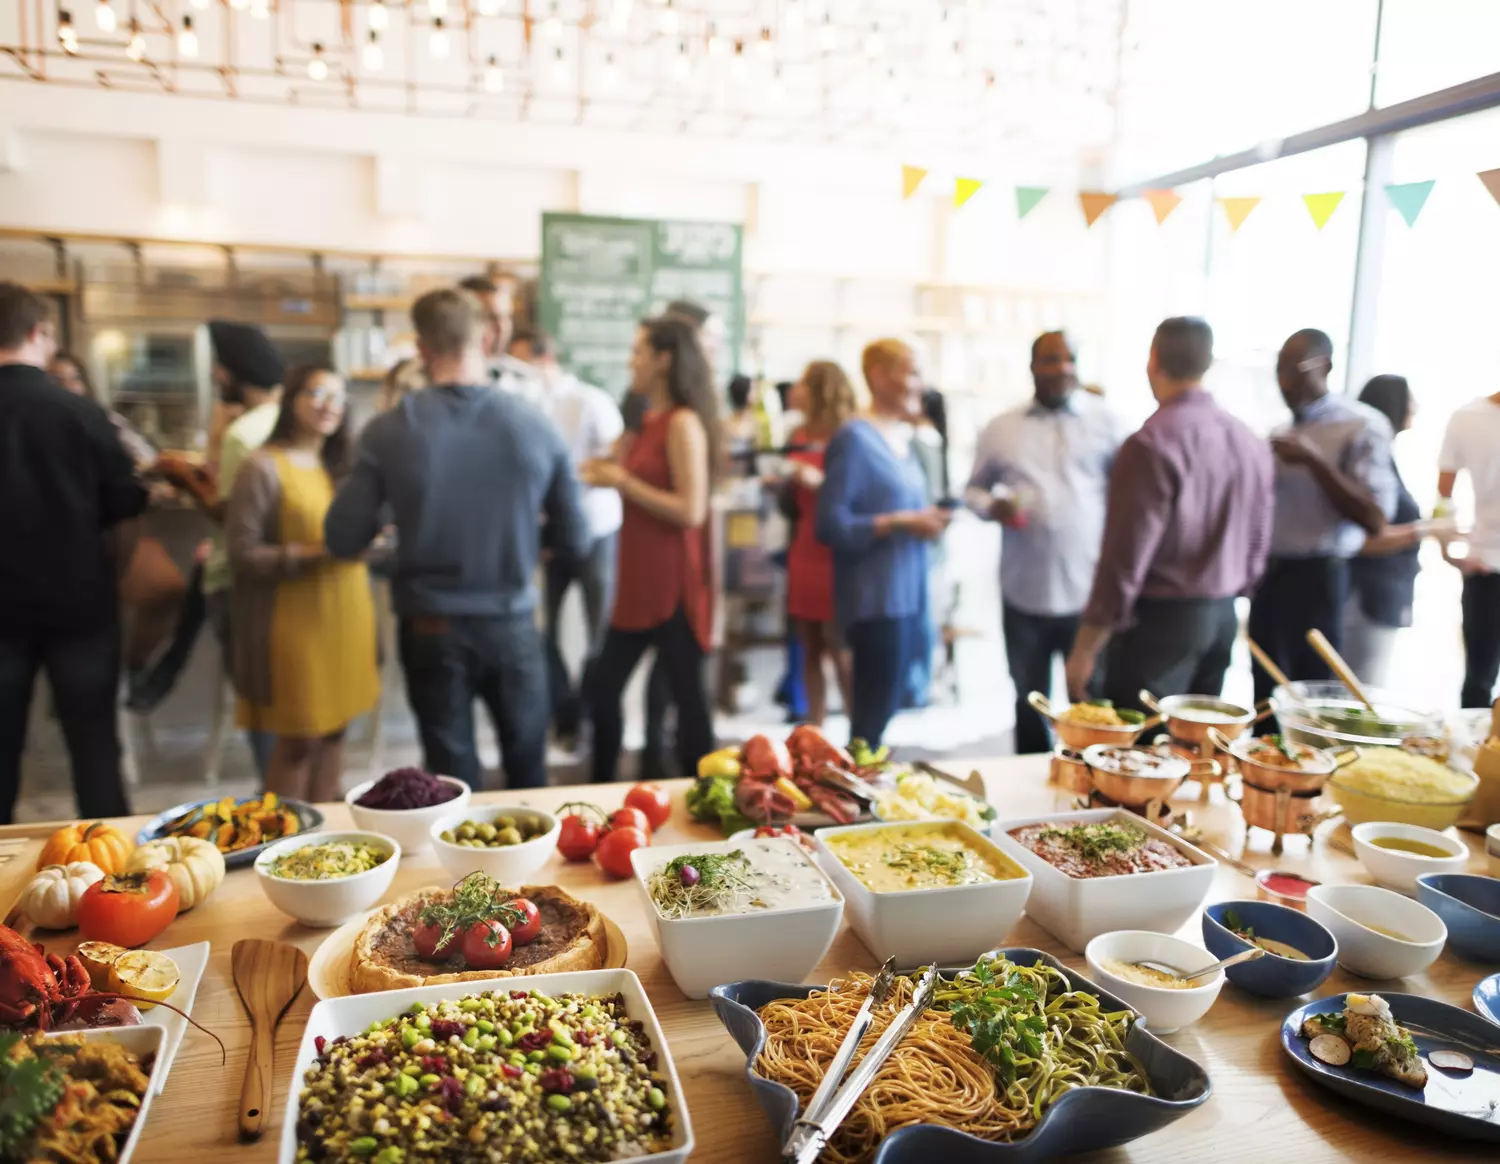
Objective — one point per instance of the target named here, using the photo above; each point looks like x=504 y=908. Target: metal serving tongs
x=811 y=1133
x=880 y=990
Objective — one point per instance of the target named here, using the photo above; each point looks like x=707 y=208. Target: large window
x=1432 y=44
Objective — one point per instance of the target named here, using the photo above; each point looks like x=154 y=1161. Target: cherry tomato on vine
x=630 y=818
x=526 y=930
x=486 y=945
x=653 y=800
x=581 y=828
x=426 y=935
x=615 y=849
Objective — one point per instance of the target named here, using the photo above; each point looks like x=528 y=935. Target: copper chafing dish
x=1283 y=799
x=1135 y=777
x=1069 y=771
x=1079 y=736
x=1282 y=811
x=1191 y=717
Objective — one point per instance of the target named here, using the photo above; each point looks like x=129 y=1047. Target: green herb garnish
x=1003 y=1018
x=29 y=1091
x=477 y=898
x=947 y=865
x=1281 y=745
x=1236 y=926
x=1335 y=1022
x=1365 y=1060
x=718 y=883
x=1096 y=841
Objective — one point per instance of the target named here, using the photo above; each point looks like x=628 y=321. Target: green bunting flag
x=1027 y=197
x=1409 y=198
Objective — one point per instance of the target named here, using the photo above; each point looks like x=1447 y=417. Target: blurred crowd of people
x=490 y=468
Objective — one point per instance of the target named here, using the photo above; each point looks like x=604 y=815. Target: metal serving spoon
x=1172 y=972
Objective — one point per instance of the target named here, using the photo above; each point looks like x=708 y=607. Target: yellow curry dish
x=922 y=856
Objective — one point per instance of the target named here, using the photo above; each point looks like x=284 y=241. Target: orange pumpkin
x=103 y=844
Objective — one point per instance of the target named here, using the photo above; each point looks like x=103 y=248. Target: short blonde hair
x=447 y=321
x=883 y=353
x=830 y=396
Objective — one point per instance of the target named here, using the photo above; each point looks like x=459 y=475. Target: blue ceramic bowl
x=1271 y=976
x=1470 y=907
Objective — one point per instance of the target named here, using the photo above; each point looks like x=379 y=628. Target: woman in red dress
x=825 y=398
x=664 y=596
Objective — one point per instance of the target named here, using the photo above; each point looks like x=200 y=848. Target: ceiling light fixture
x=737 y=67
x=239 y=4
x=559 y=66
x=875 y=43
x=187 y=39
x=380 y=18
x=765 y=47
x=715 y=41
x=104 y=17
x=552 y=27
x=494 y=79
x=682 y=68
x=260 y=9
x=135 y=47
x=828 y=36
x=437 y=41
x=374 y=55
x=67 y=35
x=317 y=68
x=437 y=8
x=609 y=76
x=669 y=22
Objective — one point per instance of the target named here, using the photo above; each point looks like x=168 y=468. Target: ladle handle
x=1267 y=664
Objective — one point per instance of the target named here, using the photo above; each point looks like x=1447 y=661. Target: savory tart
x=427 y=937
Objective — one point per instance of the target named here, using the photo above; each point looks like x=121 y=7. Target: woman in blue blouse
x=873 y=514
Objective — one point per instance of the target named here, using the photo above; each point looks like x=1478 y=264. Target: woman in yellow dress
x=305 y=662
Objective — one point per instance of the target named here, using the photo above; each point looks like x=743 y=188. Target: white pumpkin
x=50 y=899
x=195 y=865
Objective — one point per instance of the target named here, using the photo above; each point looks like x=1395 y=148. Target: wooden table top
x=1261 y=1109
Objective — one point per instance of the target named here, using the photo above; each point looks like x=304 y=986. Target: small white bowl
x=331 y=902
x=510 y=865
x=409 y=826
x=1397 y=870
x=1349 y=913
x=1165 y=1009
x=1492 y=849
x=950 y=923
x=779 y=945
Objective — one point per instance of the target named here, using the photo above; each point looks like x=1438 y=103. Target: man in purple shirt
x=1187 y=530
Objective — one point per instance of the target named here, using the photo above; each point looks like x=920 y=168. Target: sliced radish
x=1330 y=1049
x=1451 y=1060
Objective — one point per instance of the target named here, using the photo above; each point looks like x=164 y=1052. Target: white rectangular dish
x=778 y=944
x=945 y=924
x=191 y=962
x=1075 y=910
x=351 y=1016
x=142 y=1040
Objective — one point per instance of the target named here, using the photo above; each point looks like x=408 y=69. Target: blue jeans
x=595 y=574
x=84 y=673
x=450 y=660
x=882 y=650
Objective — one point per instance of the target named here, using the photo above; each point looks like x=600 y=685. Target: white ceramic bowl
x=331 y=902
x=947 y=924
x=409 y=826
x=1397 y=870
x=511 y=865
x=1492 y=849
x=351 y=1016
x=1075 y=910
x=141 y=1041
x=780 y=945
x=1165 y=1009
x=1349 y=911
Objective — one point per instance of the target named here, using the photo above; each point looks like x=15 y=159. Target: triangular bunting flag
x=1237 y=210
x=1322 y=206
x=1409 y=198
x=964 y=189
x=911 y=178
x=1163 y=202
x=1095 y=203
x=1027 y=197
x=1491 y=180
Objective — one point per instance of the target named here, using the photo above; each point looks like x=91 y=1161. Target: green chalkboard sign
x=602 y=276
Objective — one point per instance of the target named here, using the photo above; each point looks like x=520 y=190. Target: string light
x=552 y=27
x=380 y=18
x=716 y=44
x=437 y=41
x=828 y=36
x=669 y=21
x=764 y=47
x=875 y=43
x=374 y=55
x=135 y=47
x=682 y=69
x=104 y=17
x=187 y=39
x=559 y=66
x=777 y=91
x=67 y=35
x=737 y=67
x=609 y=76
x=619 y=17
x=317 y=68
x=437 y=8
x=494 y=79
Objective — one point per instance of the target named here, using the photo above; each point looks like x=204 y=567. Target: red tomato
x=630 y=818
x=615 y=849
x=486 y=945
x=579 y=837
x=128 y=909
x=425 y=935
x=525 y=931
x=653 y=800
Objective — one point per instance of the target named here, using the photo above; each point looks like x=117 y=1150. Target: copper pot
x=1069 y=771
x=1079 y=736
x=1162 y=775
x=1280 y=811
x=1230 y=718
x=1316 y=765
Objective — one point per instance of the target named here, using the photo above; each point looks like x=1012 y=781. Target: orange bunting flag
x=1095 y=203
x=1491 y=180
x=1322 y=206
x=964 y=189
x=1163 y=202
x=911 y=178
x=1237 y=210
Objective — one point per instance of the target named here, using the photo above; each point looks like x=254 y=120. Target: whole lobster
x=38 y=990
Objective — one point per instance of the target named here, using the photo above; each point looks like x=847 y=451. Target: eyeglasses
x=327 y=396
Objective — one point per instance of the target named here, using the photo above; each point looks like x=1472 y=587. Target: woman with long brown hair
x=825 y=398
x=664 y=595
x=304 y=663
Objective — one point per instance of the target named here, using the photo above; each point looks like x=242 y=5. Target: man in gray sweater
x=470 y=474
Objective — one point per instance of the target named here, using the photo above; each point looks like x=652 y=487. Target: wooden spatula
x=268 y=976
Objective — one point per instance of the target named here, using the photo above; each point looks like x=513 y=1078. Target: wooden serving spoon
x=1318 y=641
x=268 y=976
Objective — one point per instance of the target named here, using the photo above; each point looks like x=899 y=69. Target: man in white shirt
x=1472 y=445
x=1042 y=471
x=590 y=423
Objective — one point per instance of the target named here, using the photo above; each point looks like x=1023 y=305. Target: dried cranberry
x=374 y=1059
x=510 y=1071
x=649 y=1059
x=452 y=1093
x=341 y=1040
x=583 y=1038
x=536 y=1041
x=519 y=994
x=444 y=1029
x=435 y=1064
x=320 y=1042
x=556 y=1079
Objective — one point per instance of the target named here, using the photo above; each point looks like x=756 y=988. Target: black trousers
x=1178 y=646
x=84 y=674
x=595 y=576
x=1296 y=596
x=1481 y=639
x=1031 y=642
x=450 y=660
x=881 y=652
x=680 y=659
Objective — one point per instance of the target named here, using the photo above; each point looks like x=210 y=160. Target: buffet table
x=1261 y=1109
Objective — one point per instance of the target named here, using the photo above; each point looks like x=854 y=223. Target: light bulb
x=777 y=91
x=552 y=27
x=241 y=4
x=135 y=47
x=828 y=36
x=438 y=8
x=494 y=79
x=716 y=44
x=187 y=39
x=317 y=68
x=67 y=35
x=489 y=7
x=374 y=55
x=681 y=68
x=201 y=5
x=559 y=66
x=609 y=76
x=104 y=17
x=669 y=21
x=875 y=43
x=380 y=19
x=737 y=67
x=619 y=16
x=437 y=42
x=764 y=47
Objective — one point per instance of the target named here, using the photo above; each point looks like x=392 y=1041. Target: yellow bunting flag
x=1237 y=210
x=1163 y=202
x=1322 y=206
x=1095 y=203
x=1491 y=180
x=964 y=189
x=911 y=178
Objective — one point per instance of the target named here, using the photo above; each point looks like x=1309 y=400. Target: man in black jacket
x=68 y=494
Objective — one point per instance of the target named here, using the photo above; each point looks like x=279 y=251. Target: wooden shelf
x=378 y=302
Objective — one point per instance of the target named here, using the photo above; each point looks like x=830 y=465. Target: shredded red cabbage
x=407 y=788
